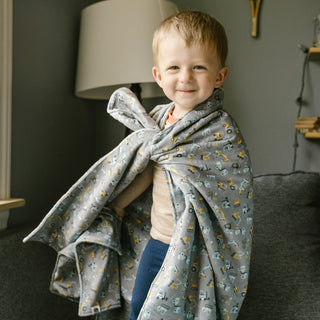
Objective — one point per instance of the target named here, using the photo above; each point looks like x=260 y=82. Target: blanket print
x=208 y=172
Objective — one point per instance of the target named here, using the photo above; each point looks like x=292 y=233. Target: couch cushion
x=284 y=280
x=25 y=272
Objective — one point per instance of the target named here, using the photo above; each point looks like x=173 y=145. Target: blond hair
x=195 y=28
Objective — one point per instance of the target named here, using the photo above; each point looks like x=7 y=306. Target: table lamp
x=115 y=47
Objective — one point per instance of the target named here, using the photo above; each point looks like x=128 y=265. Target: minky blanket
x=209 y=177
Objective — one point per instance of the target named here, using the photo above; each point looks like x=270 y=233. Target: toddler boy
x=190 y=51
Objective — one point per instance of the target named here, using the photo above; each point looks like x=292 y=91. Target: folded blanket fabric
x=208 y=171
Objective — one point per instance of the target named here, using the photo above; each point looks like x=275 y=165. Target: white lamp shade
x=115 y=46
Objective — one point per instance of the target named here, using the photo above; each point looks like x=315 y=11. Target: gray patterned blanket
x=208 y=171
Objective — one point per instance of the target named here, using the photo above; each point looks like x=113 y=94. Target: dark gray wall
x=264 y=78
x=52 y=130
x=57 y=136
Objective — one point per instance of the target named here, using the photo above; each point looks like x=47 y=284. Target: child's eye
x=173 y=68
x=199 y=67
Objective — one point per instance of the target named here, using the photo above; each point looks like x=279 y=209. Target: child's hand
x=120 y=212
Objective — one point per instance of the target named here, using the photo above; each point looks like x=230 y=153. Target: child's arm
x=137 y=187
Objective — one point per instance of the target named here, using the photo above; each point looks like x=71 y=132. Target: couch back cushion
x=284 y=281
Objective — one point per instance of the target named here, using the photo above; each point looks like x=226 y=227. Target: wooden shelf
x=303 y=127
x=7 y=204
x=309 y=127
x=312 y=135
x=314 y=53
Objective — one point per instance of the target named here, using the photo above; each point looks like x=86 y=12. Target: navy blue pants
x=150 y=264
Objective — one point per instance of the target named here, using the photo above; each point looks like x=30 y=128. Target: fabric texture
x=205 y=272
x=284 y=280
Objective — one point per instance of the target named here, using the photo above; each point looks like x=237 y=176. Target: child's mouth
x=186 y=90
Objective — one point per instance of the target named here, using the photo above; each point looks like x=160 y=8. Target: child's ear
x=221 y=76
x=157 y=76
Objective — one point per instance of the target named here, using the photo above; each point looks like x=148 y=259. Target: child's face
x=187 y=75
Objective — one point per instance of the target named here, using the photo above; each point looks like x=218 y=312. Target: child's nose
x=185 y=75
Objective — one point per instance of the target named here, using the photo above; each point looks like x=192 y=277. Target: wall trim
x=6 y=19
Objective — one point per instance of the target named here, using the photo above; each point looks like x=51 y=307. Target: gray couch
x=284 y=281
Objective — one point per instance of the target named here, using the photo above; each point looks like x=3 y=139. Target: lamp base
x=136 y=89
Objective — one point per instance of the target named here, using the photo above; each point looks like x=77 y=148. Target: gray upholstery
x=284 y=282
x=25 y=272
x=285 y=267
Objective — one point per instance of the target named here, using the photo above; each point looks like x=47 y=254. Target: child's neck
x=171 y=118
x=178 y=112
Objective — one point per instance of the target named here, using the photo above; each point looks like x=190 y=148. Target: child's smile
x=187 y=74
